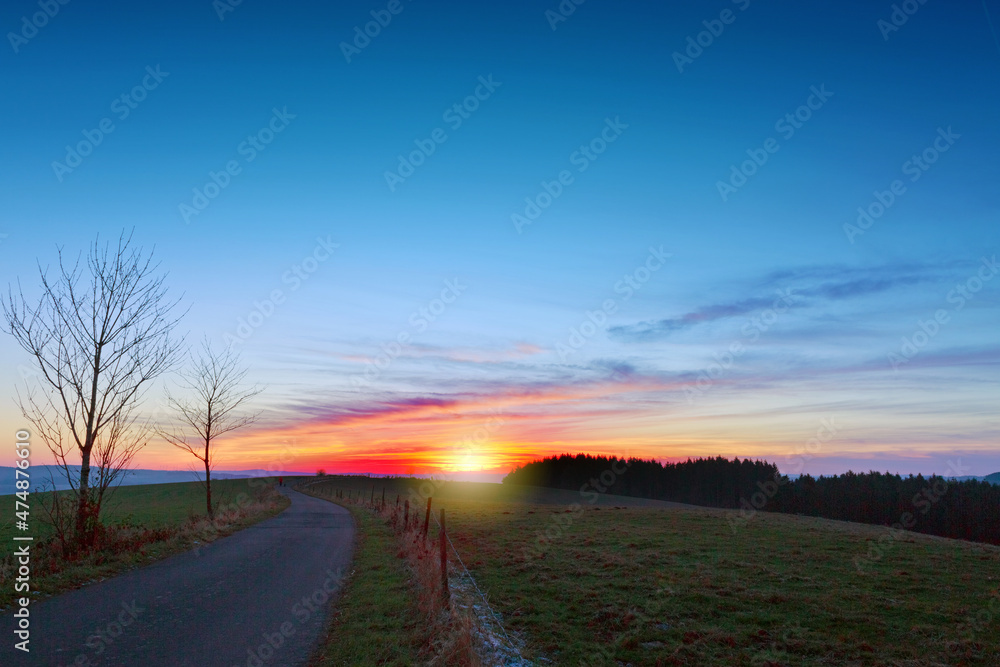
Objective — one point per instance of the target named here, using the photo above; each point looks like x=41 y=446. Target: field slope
x=621 y=581
x=664 y=587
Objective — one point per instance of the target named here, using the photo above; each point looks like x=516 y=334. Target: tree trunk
x=208 y=488
x=83 y=511
x=83 y=504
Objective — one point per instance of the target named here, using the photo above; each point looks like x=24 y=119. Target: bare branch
x=99 y=332
x=211 y=407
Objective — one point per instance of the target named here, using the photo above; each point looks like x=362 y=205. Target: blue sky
x=319 y=190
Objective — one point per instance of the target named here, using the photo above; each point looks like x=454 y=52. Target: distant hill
x=992 y=479
x=40 y=475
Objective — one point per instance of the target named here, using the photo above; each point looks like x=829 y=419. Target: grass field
x=664 y=586
x=151 y=505
x=377 y=603
x=473 y=491
x=154 y=521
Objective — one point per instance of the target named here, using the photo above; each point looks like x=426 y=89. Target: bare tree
x=100 y=333
x=211 y=407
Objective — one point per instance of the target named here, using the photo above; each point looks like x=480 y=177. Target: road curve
x=257 y=598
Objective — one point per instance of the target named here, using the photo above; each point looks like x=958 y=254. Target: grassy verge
x=646 y=586
x=376 y=621
x=143 y=524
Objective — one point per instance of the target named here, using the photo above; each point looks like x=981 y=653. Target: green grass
x=150 y=505
x=447 y=490
x=169 y=509
x=623 y=584
x=375 y=620
x=678 y=587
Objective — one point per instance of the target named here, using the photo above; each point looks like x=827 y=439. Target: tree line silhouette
x=966 y=509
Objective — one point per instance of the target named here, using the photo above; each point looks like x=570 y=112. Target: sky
x=453 y=238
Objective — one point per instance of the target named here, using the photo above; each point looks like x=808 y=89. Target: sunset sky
x=488 y=234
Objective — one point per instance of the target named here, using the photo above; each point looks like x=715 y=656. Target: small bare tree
x=211 y=407
x=99 y=333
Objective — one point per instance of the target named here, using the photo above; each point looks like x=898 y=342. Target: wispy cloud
x=806 y=287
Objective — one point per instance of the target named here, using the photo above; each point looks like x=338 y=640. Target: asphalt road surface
x=258 y=598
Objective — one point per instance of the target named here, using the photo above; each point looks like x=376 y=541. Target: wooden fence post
x=383 y=498
x=406 y=516
x=427 y=517
x=444 y=563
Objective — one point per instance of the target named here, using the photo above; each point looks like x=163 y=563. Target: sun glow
x=468 y=460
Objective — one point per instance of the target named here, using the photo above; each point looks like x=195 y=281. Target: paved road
x=257 y=598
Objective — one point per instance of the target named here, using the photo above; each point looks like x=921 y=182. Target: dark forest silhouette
x=963 y=509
